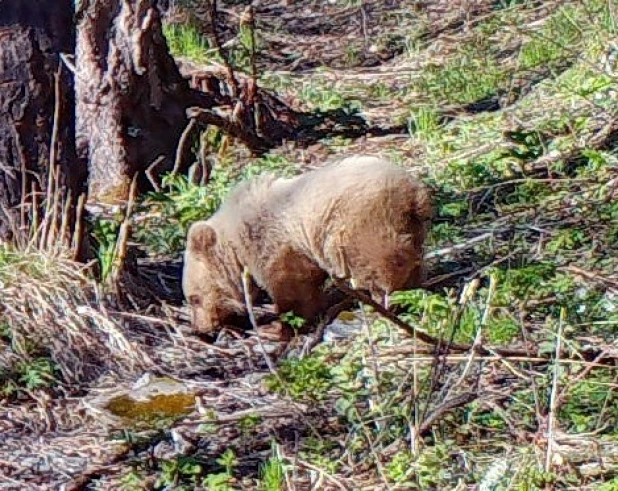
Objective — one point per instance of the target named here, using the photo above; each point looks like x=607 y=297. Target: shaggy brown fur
x=361 y=218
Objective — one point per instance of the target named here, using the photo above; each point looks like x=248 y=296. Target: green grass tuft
x=184 y=40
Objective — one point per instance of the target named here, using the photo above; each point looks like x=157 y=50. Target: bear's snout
x=204 y=322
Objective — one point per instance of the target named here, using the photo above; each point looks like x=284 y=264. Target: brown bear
x=361 y=218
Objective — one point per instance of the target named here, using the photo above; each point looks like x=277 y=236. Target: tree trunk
x=32 y=107
x=131 y=98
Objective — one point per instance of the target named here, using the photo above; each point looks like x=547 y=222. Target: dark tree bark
x=32 y=35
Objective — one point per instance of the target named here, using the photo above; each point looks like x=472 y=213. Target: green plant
x=555 y=41
x=320 y=452
x=36 y=373
x=438 y=314
x=535 y=478
x=424 y=122
x=352 y=55
x=567 y=240
x=174 y=473
x=272 y=474
x=293 y=320
x=221 y=481
x=325 y=98
x=29 y=374
x=380 y=90
x=184 y=40
x=501 y=330
x=531 y=144
x=132 y=481
x=399 y=469
x=218 y=482
x=228 y=460
x=509 y=4
x=306 y=378
x=249 y=422
x=426 y=471
x=590 y=404
x=611 y=485
x=105 y=233
x=177 y=207
x=5 y=331
x=468 y=77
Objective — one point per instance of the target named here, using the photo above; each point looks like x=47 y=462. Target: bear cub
x=361 y=218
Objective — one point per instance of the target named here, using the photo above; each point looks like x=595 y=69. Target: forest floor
x=508 y=110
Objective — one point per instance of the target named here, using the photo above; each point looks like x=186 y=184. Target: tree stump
x=131 y=98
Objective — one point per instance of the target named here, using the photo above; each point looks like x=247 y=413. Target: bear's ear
x=201 y=237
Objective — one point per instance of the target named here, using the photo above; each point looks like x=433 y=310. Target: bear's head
x=209 y=283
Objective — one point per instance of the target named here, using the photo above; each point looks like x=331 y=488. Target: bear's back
x=353 y=190
x=354 y=186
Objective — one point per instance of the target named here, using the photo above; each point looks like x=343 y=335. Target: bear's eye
x=194 y=300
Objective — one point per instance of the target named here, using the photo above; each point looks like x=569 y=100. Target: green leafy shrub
x=306 y=378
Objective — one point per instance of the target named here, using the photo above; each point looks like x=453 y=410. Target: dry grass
x=51 y=302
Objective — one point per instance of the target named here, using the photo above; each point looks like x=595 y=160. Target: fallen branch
x=205 y=117
x=330 y=316
x=419 y=334
x=445 y=407
x=458 y=247
x=273 y=411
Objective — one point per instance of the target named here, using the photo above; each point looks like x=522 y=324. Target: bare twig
x=553 y=401
x=64 y=234
x=372 y=353
x=35 y=230
x=120 y=252
x=46 y=223
x=182 y=143
x=51 y=200
x=322 y=472
x=444 y=408
x=363 y=15
x=76 y=243
x=53 y=145
x=150 y=170
x=330 y=316
x=458 y=247
x=53 y=230
x=217 y=44
x=249 y=304
x=267 y=412
x=207 y=117
x=248 y=19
